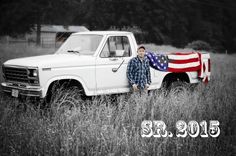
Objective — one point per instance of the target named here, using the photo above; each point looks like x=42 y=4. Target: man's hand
x=146 y=86
x=135 y=87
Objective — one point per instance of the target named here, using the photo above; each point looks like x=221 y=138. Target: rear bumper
x=31 y=91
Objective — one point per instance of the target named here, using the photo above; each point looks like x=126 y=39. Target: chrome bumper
x=31 y=91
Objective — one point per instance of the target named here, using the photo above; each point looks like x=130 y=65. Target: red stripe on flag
x=189 y=69
x=184 y=61
x=182 y=53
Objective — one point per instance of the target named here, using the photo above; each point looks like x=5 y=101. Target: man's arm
x=130 y=68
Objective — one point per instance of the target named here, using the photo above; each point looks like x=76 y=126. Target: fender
x=80 y=80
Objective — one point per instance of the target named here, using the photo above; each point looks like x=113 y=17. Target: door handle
x=116 y=69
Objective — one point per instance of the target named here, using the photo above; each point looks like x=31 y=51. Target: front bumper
x=31 y=91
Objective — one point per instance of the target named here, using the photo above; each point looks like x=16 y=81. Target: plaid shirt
x=138 y=72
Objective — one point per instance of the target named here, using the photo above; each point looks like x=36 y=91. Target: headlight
x=33 y=73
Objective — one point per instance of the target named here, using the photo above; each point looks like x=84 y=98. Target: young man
x=138 y=71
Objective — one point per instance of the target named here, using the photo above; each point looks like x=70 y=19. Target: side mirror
x=119 y=53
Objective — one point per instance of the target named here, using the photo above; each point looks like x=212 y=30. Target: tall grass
x=104 y=126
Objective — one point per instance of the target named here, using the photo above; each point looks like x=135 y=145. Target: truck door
x=111 y=66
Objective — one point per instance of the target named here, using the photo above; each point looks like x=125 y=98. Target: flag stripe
x=184 y=61
x=184 y=69
x=186 y=65
x=182 y=53
x=182 y=57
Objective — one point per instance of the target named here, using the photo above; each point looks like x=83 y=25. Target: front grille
x=18 y=74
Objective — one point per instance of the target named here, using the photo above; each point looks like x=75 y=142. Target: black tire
x=62 y=99
x=178 y=86
x=66 y=101
x=178 y=90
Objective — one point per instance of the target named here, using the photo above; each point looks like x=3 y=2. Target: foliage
x=165 y=22
x=199 y=45
x=20 y=16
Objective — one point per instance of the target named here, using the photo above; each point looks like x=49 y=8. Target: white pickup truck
x=94 y=61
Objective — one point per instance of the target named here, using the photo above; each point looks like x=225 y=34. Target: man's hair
x=141 y=47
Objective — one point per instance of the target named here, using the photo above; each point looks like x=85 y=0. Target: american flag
x=175 y=62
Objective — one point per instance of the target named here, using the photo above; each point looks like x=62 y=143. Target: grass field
x=102 y=127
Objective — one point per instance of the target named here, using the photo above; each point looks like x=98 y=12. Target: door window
x=116 y=46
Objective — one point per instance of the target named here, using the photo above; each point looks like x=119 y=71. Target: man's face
x=141 y=52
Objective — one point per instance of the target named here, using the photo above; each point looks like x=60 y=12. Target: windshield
x=84 y=44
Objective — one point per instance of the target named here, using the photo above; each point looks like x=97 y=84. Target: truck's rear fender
x=69 y=81
x=173 y=77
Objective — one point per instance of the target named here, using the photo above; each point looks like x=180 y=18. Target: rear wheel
x=178 y=90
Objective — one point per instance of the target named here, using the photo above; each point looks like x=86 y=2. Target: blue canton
x=138 y=72
x=158 y=61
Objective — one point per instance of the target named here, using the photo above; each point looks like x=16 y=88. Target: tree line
x=175 y=22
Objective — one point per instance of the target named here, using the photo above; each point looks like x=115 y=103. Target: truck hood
x=52 y=61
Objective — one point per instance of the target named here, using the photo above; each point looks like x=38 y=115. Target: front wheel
x=66 y=101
